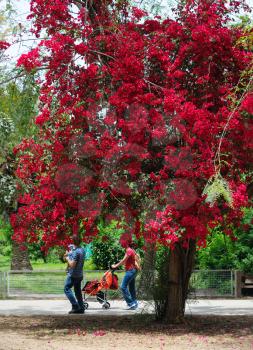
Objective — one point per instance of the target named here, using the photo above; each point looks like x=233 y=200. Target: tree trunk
x=174 y=309
x=20 y=257
x=180 y=265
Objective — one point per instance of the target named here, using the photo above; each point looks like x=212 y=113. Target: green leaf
x=216 y=188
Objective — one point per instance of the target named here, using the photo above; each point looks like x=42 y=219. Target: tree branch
x=22 y=74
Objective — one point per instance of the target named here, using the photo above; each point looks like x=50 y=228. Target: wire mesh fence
x=212 y=283
x=203 y=283
x=43 y=283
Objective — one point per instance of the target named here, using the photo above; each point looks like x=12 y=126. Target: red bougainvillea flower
x=247 y=104
x=30 y=60
x=4 y=45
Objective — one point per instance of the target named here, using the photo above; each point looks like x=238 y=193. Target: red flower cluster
x=30 y=60
x=4 y=45
x=247 y=104
x=131 y=118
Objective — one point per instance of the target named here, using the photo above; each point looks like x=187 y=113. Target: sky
x=22 y=7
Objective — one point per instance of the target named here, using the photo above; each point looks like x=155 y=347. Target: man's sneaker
x=135 y=304
x=78 y=311
x=132 y=307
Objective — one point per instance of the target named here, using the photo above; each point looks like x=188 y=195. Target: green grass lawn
x=5 y=265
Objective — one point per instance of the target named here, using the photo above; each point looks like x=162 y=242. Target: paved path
x=61 y=307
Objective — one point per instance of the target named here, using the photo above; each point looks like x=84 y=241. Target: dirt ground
x=137 y=332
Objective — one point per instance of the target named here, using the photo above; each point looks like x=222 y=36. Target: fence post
x=3 y=285
x=232 y=283
x=238 y=284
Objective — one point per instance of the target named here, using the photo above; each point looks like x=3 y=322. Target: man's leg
x=78 y=292
x=124 y=287
x=69 y=294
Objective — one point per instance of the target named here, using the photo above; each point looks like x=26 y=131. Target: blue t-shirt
x=78 y=255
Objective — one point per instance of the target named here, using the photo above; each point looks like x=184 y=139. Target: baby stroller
x=100 y=288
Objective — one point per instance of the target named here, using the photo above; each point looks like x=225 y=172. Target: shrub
x=106 y=248
x=244 y=243
x=5 y=238
x=219 y=252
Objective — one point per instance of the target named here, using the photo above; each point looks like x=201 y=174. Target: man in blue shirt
x=74 y=278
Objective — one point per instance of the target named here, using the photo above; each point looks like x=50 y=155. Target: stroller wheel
x=101 y=298
x=106 y=305
x=86 y=305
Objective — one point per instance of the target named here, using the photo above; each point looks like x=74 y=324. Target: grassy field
x=5 y=264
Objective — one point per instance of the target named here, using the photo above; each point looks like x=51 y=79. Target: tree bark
x=180 y=266
x=174 y=309
x=20 y=257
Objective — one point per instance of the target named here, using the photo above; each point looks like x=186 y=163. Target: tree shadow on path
x=234 y=326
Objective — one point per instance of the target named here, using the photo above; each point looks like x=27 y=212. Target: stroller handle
x=110 y=267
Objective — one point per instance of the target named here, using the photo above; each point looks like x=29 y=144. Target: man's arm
x=71 y=263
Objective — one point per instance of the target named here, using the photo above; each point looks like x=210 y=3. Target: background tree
x=17 y=107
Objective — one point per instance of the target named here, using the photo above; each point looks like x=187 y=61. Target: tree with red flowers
x=135 y=119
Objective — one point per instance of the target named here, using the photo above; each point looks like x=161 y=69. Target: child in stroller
x=70 y=252
x=100 y=288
